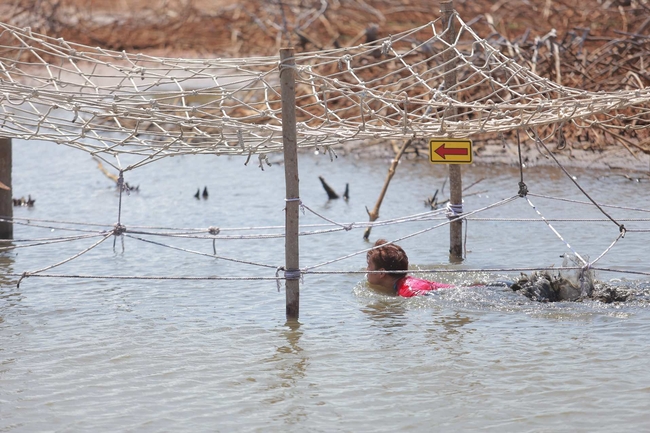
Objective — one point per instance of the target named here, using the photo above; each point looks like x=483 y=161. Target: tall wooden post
x=289 y=143
x=6 y=204
x=455 y=179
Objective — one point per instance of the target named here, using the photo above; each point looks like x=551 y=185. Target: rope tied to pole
x=289 y=274
x=454 y=210
x=300 y=203
x=292 y=274
x=523 y=189
x=119 y=229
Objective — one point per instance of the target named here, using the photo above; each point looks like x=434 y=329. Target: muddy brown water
x=216 y=355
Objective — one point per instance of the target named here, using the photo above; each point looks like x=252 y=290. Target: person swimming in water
x=390 y=257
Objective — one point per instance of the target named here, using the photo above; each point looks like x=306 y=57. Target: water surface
x=216 y=355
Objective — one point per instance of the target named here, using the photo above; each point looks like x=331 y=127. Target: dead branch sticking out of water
x=374 y=213
x=114 y=177
x=331 y=194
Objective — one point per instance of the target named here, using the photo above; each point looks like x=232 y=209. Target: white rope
x=144 y=108
x=453 y=211
x=345 y=272
x=29 y=274
x=499 y=203
x=620 y=236
x=110 y=103
x=589 y=203
x=555 y=231
x=44 y=242
x=246 y=262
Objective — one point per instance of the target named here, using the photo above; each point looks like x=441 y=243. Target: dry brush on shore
x=593 y=45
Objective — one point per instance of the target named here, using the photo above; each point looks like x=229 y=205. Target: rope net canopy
x=111 y=103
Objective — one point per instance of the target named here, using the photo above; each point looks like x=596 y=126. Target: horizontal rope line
x=451 y=271
x=424 y=216
x=138 y=277
x=418 y=271
x=556 y=219
x=588 y=203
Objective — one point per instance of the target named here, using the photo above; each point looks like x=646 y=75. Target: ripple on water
x=121 y=355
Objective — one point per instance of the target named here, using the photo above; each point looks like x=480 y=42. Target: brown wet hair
x=390 y=257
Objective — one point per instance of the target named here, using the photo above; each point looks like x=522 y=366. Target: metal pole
x=455 y=179
x=6 y=204
x=289 y=143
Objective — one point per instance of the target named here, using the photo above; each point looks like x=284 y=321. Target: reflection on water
x=289 y=365
x=7 y=261
x=452 y=326
x=388 y=314
x=9 y=293
x=450 y=332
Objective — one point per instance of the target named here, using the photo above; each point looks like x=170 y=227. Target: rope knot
x=523 y=189
x=214 y=230
x=119 y=229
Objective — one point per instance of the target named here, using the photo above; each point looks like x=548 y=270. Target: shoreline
x=609 y=158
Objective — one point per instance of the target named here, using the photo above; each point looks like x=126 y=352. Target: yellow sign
x=450 y=151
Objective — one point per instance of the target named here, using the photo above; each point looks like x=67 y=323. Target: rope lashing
x=292 y=274
x=119 y=229
x=454 y=210
x=302 y=206
x=523 y=189
x=214 y=231
x=289 y=274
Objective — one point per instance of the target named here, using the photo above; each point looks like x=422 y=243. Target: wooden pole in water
x=289 y=143
x=6 y=203
x=455 y=179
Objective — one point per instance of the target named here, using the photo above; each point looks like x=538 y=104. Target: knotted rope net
x=111 y=103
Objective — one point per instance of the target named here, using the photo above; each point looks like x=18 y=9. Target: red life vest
x=410 y=286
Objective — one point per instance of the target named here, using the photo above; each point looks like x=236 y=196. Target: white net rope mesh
x=133 y=109
x=111 y=103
